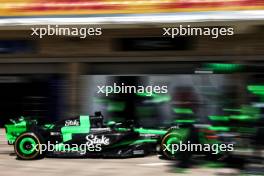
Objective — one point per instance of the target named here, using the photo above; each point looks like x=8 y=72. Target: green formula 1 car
x=82 y=136
x=89 y=136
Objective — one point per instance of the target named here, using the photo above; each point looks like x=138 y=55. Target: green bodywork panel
x=14 y=130
x=150 y=131
x=84 y=127
x=49 y=126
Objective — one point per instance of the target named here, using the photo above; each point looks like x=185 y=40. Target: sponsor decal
x=72 y=123
x=94 y=139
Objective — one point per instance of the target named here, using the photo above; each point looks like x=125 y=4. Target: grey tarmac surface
x=147 y=166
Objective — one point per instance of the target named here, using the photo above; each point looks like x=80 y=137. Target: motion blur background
x=57 y=77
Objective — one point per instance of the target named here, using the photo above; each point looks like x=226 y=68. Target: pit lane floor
x=147 y=166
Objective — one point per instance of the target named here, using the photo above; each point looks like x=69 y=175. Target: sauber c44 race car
x=84 y=136
x=89 y=136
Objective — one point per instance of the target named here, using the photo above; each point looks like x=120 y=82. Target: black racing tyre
x=169 y=138
x=175 y=137
x=27 y=146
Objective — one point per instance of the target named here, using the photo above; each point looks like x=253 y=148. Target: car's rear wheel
x=27 y=146
x=166 y=144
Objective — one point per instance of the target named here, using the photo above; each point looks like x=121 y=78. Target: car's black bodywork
x=84 y=136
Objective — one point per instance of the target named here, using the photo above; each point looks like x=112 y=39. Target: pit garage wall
x=71 y=57
x=111 y=46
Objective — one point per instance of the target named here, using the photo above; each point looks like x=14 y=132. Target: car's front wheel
x=28 y=145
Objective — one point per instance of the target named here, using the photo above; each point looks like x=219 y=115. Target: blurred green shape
x=144 y=94
x=156 y=98
x=182 y=111
x=150 y=131
x=185 y=121
x=109 y=123
x=219 y=118
x=246 y=113
x=223 y=67
x=219 y=128
x=243 y=117
x=245 y=109
x=161 y=98
x=251 y=111
x=256 y=89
